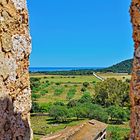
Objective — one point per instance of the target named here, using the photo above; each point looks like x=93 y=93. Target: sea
x=46 y=69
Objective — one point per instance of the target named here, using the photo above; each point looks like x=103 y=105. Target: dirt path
x=98 y=77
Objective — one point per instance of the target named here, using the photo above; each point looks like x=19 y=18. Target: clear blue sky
x=93 y=33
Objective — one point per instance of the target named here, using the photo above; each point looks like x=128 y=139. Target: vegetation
x=71 y=93
x=122 y=67
x=112 y=92
x=118 y=114
x=44 y=125
x=68 y=100
x=118 y=132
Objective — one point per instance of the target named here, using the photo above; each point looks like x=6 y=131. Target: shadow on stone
x=13 y=125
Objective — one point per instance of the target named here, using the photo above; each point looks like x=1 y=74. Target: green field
x=118 y=76
x=64 y=83
x=65 y=79
x=55 y=88
x=121 y=131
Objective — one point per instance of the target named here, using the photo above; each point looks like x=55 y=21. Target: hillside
x=122 y=67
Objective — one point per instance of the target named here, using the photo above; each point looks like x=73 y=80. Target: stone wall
x=135 y=82
x=15 y=48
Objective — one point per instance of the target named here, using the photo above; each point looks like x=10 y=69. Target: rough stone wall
x=15 y=48
x=135 y=82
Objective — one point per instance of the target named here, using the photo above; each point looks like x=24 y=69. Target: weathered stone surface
x=15 y=48
x=135 y=82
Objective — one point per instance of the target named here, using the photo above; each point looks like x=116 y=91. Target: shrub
x=58 y=83
x=86 y=98
x=71 y=93
x=34 y=79
x=72 y=103
x=35 y=108
x=45 y=107
x=35 y=96
x=128 y=80
x=86 y=92
x=85 y=84
x=35 y=84
x=114 y=135
x=58 y=91
x=44 y=92
x=83 y=89
x=59 y=103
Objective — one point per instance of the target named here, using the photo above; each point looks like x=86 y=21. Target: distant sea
x=45 y=69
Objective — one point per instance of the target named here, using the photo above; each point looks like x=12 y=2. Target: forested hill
x=122 y=67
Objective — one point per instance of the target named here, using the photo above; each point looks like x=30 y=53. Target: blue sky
x=80 y=32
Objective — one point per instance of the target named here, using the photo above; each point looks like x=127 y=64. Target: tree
x=98 y=112
x=80 y=111
x=59 y=113
x=112 y=92
x=117 y=113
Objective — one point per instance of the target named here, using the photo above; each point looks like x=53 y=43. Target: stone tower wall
x=135 y=82
x=15 y=48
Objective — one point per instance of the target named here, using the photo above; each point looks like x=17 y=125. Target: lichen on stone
x=1 y=19
x=22 y=104
x=21 y=45
x=19 y=4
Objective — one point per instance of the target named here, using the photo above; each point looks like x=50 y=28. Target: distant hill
x=122 y=67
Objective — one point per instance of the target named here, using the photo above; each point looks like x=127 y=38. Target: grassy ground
x=66 y=79
x=118 y=76
x=68 y=82
x=59 y=78
x=64 y=84
x=43 y=125
x=118 y=132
